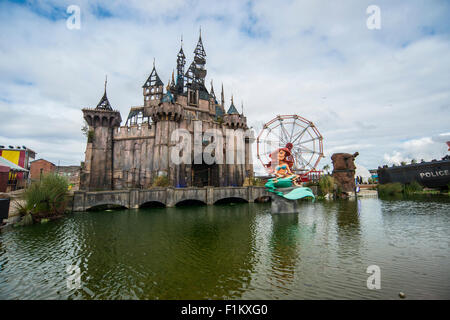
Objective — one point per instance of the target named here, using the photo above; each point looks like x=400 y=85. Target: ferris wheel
x=306 y=140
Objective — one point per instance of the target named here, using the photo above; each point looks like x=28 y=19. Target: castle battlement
x=235 y=121
x=134 y=132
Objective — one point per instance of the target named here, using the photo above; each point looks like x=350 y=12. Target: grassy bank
x=390 y=189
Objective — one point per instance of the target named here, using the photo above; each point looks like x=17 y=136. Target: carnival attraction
x=306 y=140
x=289 y=147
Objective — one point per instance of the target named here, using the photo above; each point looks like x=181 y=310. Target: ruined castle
x=137 y=153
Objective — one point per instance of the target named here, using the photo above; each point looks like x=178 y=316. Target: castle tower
x=152 y=88
x=98 y=167
x=195 y=75
x=166 y=117
x=181 y=61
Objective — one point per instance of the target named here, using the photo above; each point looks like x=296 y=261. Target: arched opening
x=96 y=121
x=205 y=175
x=190 y=202
x=152 y=204
x=230 y=200
x=107 y=207
x=263 y=199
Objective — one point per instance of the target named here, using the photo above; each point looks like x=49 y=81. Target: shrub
x=46 y=196
x=413 y=187
x=390 y=189
x=252 y=181
x=311 y=184
x=326 y=184
x=90 y=136
x=161 y=181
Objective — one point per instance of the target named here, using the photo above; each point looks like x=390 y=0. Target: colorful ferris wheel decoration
x=299 y=134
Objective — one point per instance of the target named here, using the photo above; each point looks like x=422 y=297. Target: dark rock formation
x=344 y=172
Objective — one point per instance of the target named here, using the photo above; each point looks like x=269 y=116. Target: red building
x=40 y=167
x=22 y=157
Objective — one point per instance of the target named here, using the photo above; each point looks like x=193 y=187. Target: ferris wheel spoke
x=307 y=163
x=284 y=133
x=302 y=163
x=307 y=152
x=301 y=133
x=305 y=149
x=273 y=132
x=292 y=130
x=309 y=140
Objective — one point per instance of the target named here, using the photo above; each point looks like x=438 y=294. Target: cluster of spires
x=194 y=78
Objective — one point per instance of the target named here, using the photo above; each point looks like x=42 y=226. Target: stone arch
x=105 y=121
x=231 y=200
x=106 y=206
x=152 y=204
x=188 y=202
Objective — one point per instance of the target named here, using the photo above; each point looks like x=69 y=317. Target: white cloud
x=426 y=149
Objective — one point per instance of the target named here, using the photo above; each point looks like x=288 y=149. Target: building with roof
x=39 y=168
x=22 y=157
x=135 y=154
x=9 y=173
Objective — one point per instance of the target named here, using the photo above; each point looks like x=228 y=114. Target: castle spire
x=222 y=97
x=198 y=66
x=104 y=102
x=212 y=90
x=199 y=49
x=181 y=61
x=153 y=79
x=232 y=109
x=153 y=87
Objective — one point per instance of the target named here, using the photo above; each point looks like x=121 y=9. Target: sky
x=382 y=92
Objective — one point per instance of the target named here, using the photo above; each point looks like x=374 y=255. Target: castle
x=134 y=155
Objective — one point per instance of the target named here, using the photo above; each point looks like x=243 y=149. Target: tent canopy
x=362 y=172
x=14 y=167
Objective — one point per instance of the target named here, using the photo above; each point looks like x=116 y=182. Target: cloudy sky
x=382 y=92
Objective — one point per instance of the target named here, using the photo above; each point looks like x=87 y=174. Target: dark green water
x=236 y=251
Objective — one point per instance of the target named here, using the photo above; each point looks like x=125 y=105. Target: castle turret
x=98 y=167
x=166 y=117
x=233 y=119
x=153 y=88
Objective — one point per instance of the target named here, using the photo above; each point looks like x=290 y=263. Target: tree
x=85 y=129
x=413 y=161
x=326 y=168
x=89 y=133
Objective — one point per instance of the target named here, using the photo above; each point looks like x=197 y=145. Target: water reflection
x=234 y=251
x=174 y=253
x=284 y=247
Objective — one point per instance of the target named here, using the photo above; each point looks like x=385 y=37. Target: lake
x=235 y=251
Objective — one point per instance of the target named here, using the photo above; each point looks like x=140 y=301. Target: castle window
x=193 y=97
